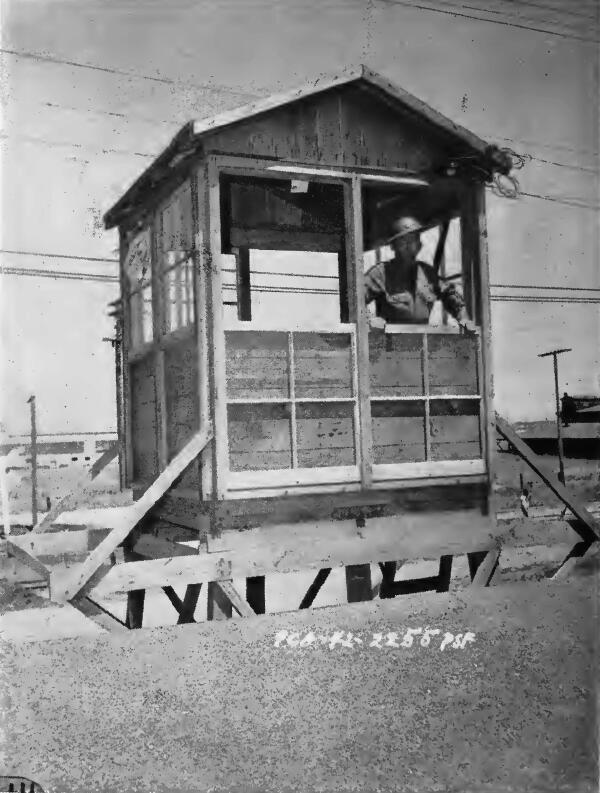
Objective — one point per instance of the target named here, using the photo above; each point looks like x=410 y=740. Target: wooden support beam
x=314 y=589
x=81 y=483
x=218 y=604
x=575 y=559
x=590 y=530
x=237 y=601
x=388 y=572
x=131 y=517
x=99 y=615
x=135 y=608
x=358 y=583
x=186 y=607
x=28 y=559
x=486 y=569
x=445 y=573
x=381 y=539
x=255 y=593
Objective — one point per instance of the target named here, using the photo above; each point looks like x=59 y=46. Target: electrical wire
x=70 y=144
x=122 y=72
x=511 y=14
x=547 y=7
x=59 y=256
x=420 y=7
x=58 y=274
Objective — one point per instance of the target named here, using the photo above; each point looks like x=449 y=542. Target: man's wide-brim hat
x=404 y=226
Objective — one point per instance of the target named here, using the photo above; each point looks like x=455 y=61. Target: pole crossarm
x=590 y=530
x=71 y=586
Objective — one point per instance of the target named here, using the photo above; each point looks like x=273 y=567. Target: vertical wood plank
x=161 y=409
x=159 y=329
x=203 y=313
x=425 y=353
x=486 y=340
x=127 y=448
x=220 y=458
x=358 y=583
x=354 y=254
x=242 y=282
x=255 y=593
x=445 y=573
x=218 y=604
x=292 y=403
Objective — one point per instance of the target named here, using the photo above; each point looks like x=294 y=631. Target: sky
x=74 y=138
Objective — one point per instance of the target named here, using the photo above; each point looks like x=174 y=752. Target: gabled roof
x=190 y=137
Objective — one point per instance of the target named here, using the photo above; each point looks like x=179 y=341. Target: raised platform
x=219 y=707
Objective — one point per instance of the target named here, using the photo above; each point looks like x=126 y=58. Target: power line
x=510 y=15
x=58 y=274
x=420 y=7
x=59 y=256
x=122 y=72
x=537 y=286
x=540 y=299
x=70 y=144
x=515 y=15
x=574 y=202
x=556 y=9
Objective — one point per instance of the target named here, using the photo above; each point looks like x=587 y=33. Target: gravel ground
x=218 y=707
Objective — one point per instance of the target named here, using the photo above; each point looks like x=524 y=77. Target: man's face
x=407 y=247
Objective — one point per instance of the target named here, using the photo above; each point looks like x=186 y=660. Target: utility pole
x=555 y=354
x=31 y=401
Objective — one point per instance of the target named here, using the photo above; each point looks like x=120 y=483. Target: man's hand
x=468 y=326
x=376 y=323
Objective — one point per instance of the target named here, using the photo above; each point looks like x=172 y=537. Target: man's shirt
x=406 y=295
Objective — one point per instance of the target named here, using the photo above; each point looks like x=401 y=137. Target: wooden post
x=358 y=582
x=255 y=593
x=354 y=248
x=218 y=605
x=561 y=464
x=31 y=401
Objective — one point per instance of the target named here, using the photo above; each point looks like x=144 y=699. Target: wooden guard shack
x=248 y=346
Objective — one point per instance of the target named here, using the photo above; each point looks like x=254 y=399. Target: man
x=405 y=289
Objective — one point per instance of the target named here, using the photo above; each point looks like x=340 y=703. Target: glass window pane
x=454 y=429
x=452 y=364
x=322 y=365
x=396 y=362
x=398 y=431
x=256 y=365
x=259 y=437
x=325 y=434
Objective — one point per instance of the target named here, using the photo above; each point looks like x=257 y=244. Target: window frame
x=254 y=484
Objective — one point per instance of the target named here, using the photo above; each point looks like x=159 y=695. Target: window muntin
x=292 y=401
x=176 y=263
x=425 y=396
x=138 y=278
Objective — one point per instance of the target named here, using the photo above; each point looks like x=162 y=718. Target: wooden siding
x=144 y=420
x=182 y=409
x=347 y=127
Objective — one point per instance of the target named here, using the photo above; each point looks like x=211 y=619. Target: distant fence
x=19 y=784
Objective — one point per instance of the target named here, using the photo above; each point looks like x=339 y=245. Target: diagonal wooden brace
x=588 y=527
x=70 y=587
